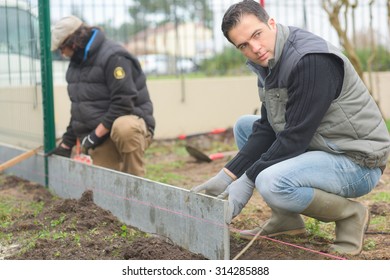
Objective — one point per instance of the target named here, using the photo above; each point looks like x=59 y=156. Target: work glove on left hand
x=239 y=192
x=216 y=185
x=91 y=141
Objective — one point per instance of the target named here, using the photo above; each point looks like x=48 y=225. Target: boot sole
x=287 y=232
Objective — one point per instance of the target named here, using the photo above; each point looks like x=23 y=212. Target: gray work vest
x=353 y=124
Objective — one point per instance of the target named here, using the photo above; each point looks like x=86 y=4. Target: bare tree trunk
x=334 y=10
x=373 y=51
x=388 y=16
x=371 y=61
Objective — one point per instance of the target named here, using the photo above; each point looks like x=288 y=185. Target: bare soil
x=70 y=229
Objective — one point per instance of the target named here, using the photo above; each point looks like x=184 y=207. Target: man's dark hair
x=233 y=15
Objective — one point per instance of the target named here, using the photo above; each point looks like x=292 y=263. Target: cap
x=63 y=29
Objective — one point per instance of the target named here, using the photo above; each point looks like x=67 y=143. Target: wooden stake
x=18 y=159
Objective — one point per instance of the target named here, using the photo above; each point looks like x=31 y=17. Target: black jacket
x=105 y=82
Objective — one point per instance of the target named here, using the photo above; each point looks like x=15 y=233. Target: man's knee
x=129 y=133
x=273 y=185
x=265 y=184
x=128 y=125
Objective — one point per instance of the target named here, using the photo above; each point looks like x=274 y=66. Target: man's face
x=255 y=39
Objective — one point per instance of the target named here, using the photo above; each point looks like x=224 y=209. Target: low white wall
x=200 y=105
x=187 y=106
x=379 y=84
x=21 y=121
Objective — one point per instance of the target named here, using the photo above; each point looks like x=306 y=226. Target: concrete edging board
x=190 y=220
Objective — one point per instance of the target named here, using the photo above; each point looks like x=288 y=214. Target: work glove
x=61 y=151
x=91 y=141
x=216 y=185
x=239 y=192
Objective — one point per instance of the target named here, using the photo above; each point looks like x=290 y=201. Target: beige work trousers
x=124 y=150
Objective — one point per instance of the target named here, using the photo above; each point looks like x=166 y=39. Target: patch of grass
x=155 y=150
x=379 y=223
x=57 y=254
x=236 y=237
x=369 y=244
x=180 y=149
x=157 y=172
x=59 y=235
x=30 y=245
x=164 y=172
x=159 y=148
x=388 y=125
x=6 y=237
x=58 y=221
x=6 y=209
x=217 y=147
x=320 y=229
x=93 y=231
x=248 y=218
x=174 y=155
x=381 y=197
x=76 y=238
x=11 y=209
x=37 y=207
x=43 y=234
x=131 y=234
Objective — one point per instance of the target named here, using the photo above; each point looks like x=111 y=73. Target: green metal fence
x=169 y=37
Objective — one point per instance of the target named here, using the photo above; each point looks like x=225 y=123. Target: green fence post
x=47 y=80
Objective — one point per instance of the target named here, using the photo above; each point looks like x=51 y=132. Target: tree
x=151 y=12
x=334 y=10
x=388 y=15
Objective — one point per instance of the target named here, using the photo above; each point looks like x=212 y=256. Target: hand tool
x=79 y=156
x=18 y=159
x=200 y=156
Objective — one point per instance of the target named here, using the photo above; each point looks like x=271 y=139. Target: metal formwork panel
x=192 y=221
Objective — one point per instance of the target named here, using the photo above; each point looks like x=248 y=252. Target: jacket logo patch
x=119 y=73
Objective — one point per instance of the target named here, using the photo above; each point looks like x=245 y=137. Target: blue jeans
x=243 y=128
x=289 y=185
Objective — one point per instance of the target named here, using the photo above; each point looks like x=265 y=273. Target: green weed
x=369 y=244
x=381 y=197
x=380 y=223
x=30 y=245
x=130 y=234
x=124 y=231
x=43 y=234
x=6 y=237
x=57 y=254
x=59 y=221
x=59 y=235
x=320 y=229
x=76 y=238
